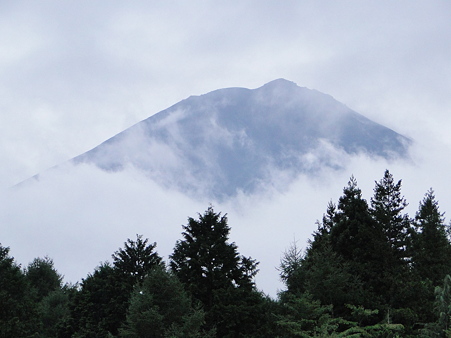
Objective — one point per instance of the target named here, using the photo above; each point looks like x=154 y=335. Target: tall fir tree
x=43 y=277
x=387 y=210
x=99 y=308
x=136 y=259
x=216 y=275
x=160 y=307
x=431 y=247
x=387 y=206
x=357 y=239
x=17 y=309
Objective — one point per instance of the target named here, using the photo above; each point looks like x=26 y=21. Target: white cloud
x=72 y=75
x=80 y=215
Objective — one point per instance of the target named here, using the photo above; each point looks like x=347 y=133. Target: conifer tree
x=17 y=310
x=136 y=259
x=99 y=308
x=160 y=307
x=357 y=239
x=431 y=248
x=43 y=277
x=216 y=275
x=387 y=206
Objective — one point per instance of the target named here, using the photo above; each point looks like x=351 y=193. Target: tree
x=321 y=272
x=43 y=277
x=387 y=206
x=160 y=307
x=17 y=310
x=100 y=307
x=215 y=274
x=291 y=269
x=356 y=238
x=136 y=259
x=304 y=316
x=54 y=311
x=431 y=248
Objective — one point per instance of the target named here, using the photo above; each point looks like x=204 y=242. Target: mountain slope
x=234 y=139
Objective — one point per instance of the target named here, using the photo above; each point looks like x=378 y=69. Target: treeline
x=370 y=270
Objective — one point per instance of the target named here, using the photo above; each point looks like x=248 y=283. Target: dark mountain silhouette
x=235 y=139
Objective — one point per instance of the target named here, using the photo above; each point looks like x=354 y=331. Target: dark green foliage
x=396 y=282
x=387 y=206
x=17 y=309
x=356 y=238
x=360 y=256
x=205 y=261
x=162 y=308
x=50 y=297
x=291 y=269
x=216 y=275
x=136 y=259
x=54 y=311
x=431 y=249
x=43 y=277
x=442 y=326
x=99 y=308
x=303 y=316
x=100 y=305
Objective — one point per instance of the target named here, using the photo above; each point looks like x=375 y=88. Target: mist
x=73 y=75
x=79 y=215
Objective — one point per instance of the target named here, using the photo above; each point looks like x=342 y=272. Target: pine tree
x=17 y=309
x=357 y=239
x=431 y=248
x=160 y=307
x=292 y=270
x=387 y=206
x=99 y=308
x=136 y=259
x=43 y=277
x=216 y=275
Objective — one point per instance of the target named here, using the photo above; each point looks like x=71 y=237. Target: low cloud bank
x=79 y=215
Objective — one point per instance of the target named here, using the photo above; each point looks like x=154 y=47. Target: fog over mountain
x=270 y=158
x=239 y=140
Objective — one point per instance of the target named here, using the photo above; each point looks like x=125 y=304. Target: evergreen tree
x=431 y=248
x=322 y=273
x=387 y=206
x=441 y=327
x=49 y=295
x=215 y=274
x=43 y=277
x=291 y=270
x=99 y=308
x=54 y=312
x=356 y=238
x=160 y=307
x=136 y=259
x=17 y=309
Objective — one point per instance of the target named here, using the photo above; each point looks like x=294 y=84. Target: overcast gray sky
x=73 y=74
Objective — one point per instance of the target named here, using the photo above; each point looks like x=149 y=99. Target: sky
x=73 y=74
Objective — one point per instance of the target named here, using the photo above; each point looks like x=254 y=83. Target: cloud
x=72 y=75
x=79 y=215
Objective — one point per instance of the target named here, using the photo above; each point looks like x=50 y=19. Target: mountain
x=236 y=139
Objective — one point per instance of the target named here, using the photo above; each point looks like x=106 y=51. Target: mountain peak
x=237 y=139
x=281 y=83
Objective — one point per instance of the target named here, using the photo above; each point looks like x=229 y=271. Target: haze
x=74 y=75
